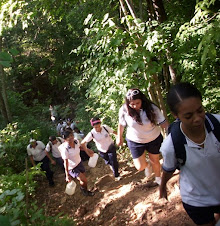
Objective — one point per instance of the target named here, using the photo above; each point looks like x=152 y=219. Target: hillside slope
x=126 y=202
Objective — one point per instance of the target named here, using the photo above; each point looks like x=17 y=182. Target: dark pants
x=59 y=161
x=110 y=158
x=201 y=215
x=45 y=166
x=84 y=155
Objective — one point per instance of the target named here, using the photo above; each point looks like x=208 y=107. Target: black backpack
x=178 y=138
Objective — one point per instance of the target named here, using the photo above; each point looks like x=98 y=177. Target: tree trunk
x=150 y=10
x=156 y=9
x=131 y=8
x=123 y=7
x=3 y=95
x=159 y=95
x=159 y=10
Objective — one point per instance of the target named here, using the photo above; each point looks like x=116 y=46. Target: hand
x=53 y=162
x=90 y=152
x=68 y=178
x=119 y=141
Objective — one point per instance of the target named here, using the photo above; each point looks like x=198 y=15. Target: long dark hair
x=146 y=106
x=179 y=92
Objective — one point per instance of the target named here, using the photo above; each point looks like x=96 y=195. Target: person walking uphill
x=52 y=146
x=199 y=162
x=70 y=152
x=37 y=154
x=143 y=120
x=104 y=143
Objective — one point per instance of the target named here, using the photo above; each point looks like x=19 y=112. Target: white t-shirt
x=102 y=139
x=72 y=154
x=200 y=176
x=55 y=150
x=144 y=133
x=38 y=152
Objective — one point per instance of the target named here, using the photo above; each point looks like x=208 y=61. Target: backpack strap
x=105 y=129
x=50 y=143
x=58 y=138
x=178 y=142
x=212 y=124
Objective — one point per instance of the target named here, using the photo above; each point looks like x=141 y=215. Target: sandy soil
x=126 y=202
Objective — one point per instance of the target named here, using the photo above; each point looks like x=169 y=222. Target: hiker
x=37 y=154
x=59 y=127
x=199 y=159
x=70 y=152
x=144 y=122
x=52 y=146
x=79 y=135
x=53 y=113
x=100 y=134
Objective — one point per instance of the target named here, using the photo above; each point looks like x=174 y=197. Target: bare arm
x=119 y=140
x=68 y=177
x=88 y=151
x=164 y=127
x=163 y=187
x=115 y=133
x=51 y=160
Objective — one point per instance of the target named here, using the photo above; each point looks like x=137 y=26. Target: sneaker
x=117 y=178
x=86 y=192
x=158 y=180
x=89 y=193
x=150 y=184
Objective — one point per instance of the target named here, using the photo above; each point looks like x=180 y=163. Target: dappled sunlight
x=112 y=196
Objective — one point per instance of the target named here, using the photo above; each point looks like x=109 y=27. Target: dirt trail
x=125 y=202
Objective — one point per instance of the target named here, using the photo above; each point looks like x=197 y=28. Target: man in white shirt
x=37 y=154
x=52 y=146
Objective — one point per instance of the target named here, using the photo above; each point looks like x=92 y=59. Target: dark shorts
x=77 y=170
x=138 y=149
x=201 y=215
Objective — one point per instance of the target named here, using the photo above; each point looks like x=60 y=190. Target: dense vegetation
x=82 y=60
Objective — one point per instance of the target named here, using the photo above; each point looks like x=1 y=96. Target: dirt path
x=125 y=202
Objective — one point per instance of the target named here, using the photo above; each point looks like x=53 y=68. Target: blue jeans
x=110 y=158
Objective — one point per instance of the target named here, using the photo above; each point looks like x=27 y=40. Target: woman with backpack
x=144 y=122
x=196 y=153
x=100 y=134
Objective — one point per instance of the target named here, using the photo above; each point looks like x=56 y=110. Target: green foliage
x=15 y=138
x=115 y=60
x=5 y=59
x=14 y=207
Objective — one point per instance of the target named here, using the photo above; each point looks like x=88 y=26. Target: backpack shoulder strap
x=50 y=143
x=178 y=142
x=212 y=124
x=105 y=129
x=58 y=138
